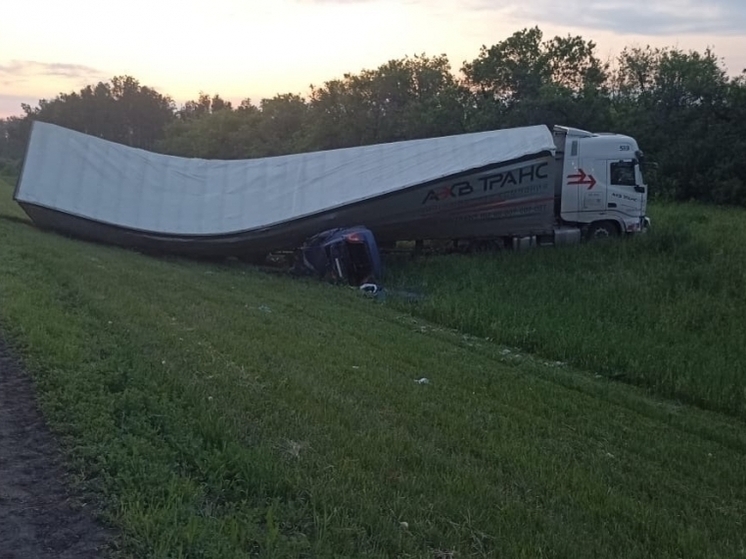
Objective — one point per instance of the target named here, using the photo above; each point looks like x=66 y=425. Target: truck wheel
x=602 y=230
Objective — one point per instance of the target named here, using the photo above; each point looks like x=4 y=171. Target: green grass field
x=221 y=412
x=665 y=311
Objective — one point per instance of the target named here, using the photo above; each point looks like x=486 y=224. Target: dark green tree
x=414 y=97
x=680 y=106
x=122 y=111
x=525 y=80
x=14 y=133
x=204 y=104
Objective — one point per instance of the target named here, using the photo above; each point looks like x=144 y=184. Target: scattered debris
x=292 y=448
x=264 y=309
x=370 y=288
x=374 y=291
x=554 y=363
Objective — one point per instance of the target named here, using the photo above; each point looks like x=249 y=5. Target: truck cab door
x=591 y=192
x=625 y=193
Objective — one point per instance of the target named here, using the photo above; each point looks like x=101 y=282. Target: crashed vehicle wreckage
x=343 y=255
x=517 y=187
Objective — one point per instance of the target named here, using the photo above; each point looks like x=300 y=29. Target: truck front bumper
x=634 y=226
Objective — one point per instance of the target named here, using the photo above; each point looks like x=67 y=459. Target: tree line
x=685 y=111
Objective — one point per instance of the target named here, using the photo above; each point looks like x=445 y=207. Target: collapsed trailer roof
x=88 y=178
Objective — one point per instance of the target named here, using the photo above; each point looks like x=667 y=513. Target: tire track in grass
x=40 y=515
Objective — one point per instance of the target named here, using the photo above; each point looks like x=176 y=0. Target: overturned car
x=346 y=255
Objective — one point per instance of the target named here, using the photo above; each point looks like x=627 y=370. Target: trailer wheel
x=602 y=230
x=482 y=245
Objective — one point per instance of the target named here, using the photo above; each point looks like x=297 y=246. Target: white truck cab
x=600 y=182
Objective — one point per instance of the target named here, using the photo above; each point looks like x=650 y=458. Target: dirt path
x=39 y=516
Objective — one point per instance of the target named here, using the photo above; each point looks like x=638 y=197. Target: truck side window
x=623 y=173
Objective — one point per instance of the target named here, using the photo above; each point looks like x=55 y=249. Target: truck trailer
x=519 y=186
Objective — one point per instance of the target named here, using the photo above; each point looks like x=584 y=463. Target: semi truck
x=591 y=187
x=520 y=186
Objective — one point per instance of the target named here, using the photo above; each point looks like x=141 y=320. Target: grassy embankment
x=220 y=412
x=665 y=311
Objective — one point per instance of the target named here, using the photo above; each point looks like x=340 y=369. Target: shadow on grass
x=16 y=219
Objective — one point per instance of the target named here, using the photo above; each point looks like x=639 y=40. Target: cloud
x=18 y=71
x=627 y=17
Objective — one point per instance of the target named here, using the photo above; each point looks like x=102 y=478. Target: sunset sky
x=257 y=48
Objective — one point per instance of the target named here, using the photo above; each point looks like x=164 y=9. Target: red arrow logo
x=581 y=178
